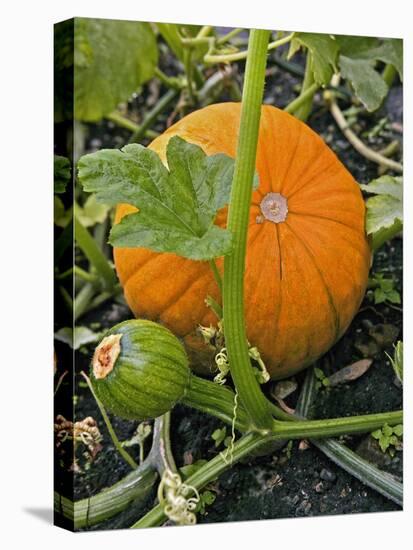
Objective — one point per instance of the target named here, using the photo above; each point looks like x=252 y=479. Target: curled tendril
x=221 y=361
x=230 y=449
x=173 y=496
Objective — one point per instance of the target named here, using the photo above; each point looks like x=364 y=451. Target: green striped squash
x=139 y=370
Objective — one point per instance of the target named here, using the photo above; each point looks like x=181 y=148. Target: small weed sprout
x=389 y=438
x=384 y=290
x=321 y=379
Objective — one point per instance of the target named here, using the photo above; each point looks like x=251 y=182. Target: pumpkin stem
x=274 y=207
x=237 y=347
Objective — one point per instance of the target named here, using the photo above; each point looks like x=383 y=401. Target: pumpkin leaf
x=368 y=85
x=61 y=173
x=111 y=60
x=389 y=50
x=355 y=46
x=386 y=207
x=324 y=50
x=176 y=208
x=358 y=57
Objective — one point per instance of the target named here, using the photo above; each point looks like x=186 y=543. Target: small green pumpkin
x=139 y=370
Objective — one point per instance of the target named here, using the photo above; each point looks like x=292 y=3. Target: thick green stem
x=219 y=402
x=161 y=456
x=216 y=400
x=89 y=511
x=253 y=442
x=234 y=264
x=344 y=457
x=136 y=486
x=211 y=470
x=87 y=244
x=152 y=116
x=367 y=473
x=332 y=427
x=301 y=99
x=303 y=110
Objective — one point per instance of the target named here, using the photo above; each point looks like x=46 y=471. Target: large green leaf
x=112 y=58
x=386 y=207
x=324 y=50
x=355 y=46
x=388 y=50
x=357 y=61
x=177 y=208
x=368 y=85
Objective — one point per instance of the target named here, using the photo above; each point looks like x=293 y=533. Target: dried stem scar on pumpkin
x=105 y=355
x=307 y=258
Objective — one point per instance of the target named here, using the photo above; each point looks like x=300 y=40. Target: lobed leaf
x=355 y=46
x=389 y=51
x=386 y=207
x=357 y=60
x=324 y=50
x=176 y=208
x=368 y=85
x=111 y=60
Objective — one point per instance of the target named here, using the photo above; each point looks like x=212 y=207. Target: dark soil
x=290 y=482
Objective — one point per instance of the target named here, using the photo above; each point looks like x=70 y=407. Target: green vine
x=234 y=264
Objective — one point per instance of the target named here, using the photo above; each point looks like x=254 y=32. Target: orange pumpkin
x=308 y=257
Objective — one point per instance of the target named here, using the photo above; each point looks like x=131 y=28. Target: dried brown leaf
x=351 y=372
